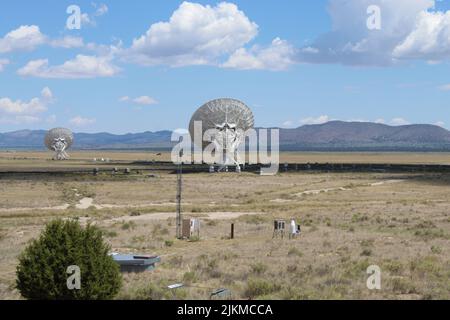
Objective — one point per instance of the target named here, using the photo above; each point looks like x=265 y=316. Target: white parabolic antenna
x=229 y=119
x=59 y=140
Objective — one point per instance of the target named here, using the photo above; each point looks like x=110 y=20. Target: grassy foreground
x=400 y=222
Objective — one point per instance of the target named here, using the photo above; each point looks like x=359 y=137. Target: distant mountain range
x=34 y=139
x=331 y=136
x=365 y=136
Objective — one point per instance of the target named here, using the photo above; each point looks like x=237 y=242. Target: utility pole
x=179 y=189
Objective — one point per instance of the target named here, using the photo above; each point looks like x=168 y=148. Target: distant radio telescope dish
x=59 y=140
x=229 y=119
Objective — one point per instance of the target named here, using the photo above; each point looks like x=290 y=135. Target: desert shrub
x=258 y=268
x=147 y=292
x=426 y=266
x=394 y=267
x=359 y=218
x=110 y=234
x=260 y=287
x=209 y=267
x=355 y=268
x=402 y=286
x=291 y=268
x=128 y=225
x=252 y=219
x=293 y=293
x=42 y=270
x=436 y=249
x=367 y=243
x=323 y=270
x=138 y=239
x=189 y=277
x=228 y=255
x=429 y=234
x=425 y=225
x=168 y=243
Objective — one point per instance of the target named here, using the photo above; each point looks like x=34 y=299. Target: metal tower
x=179 y=190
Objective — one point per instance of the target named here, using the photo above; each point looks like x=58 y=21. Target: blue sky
x=148 y=65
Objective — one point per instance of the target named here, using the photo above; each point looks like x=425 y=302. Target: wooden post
x=232 y=231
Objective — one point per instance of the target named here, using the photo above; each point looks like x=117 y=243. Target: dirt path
x=374 y=184
x=86 y=203
x=307 y=192
x=167 y=215
x=385 y=182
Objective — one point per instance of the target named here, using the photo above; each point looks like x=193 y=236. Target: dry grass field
x=350 y=220
x=30 y=157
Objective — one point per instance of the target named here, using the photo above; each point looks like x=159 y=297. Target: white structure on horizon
x=59 y=140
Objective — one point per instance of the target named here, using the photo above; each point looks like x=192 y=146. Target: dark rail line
x=143 y=167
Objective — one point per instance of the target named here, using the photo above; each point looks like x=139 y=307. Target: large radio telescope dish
x=230 y=118
x=221 y=111
x=59 y=140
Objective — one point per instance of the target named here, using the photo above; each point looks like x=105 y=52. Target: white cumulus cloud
x=145 y=100
x=89 y=19
x=409 y=29
x=399 y=122
x=430 y=38
x=80 y=121
x=142 y=100
x=19 y=111
x=312 y=120
x=67 y=42
x=24 y=38
x=194 y=35
x=102 y=9
x=30 y=37
x=288 y=124
x=81 y=66
x=280 y=55
x=3 y=63
x=47 y=94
